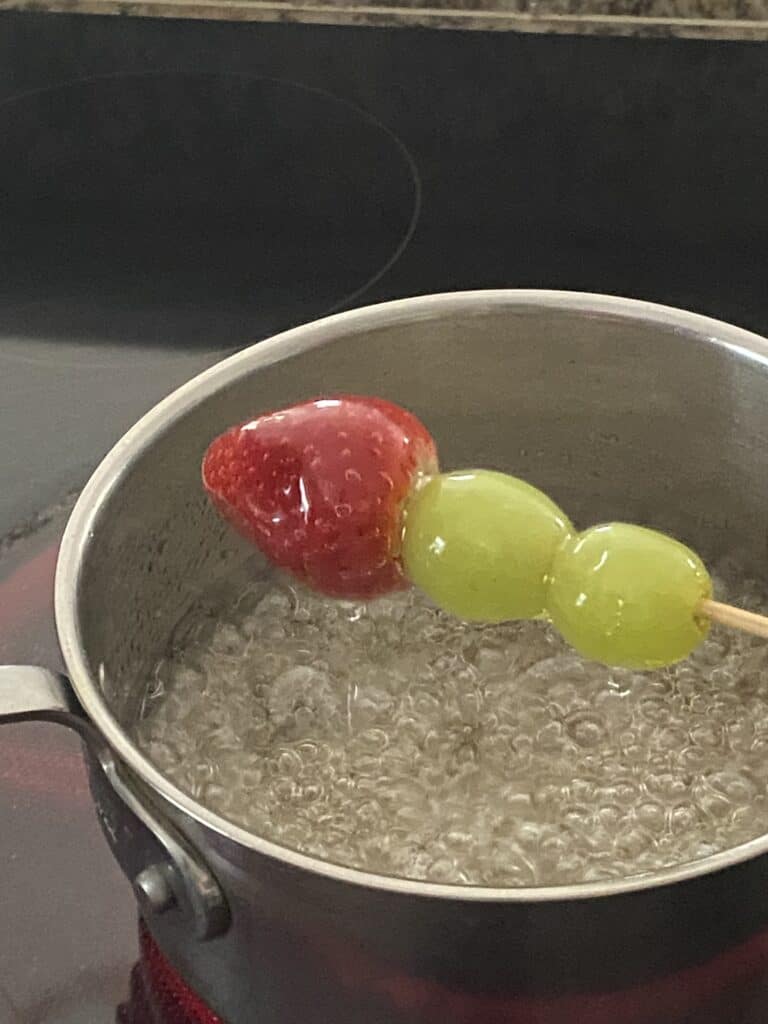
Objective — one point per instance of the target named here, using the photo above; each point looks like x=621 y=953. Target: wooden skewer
x=736 y=618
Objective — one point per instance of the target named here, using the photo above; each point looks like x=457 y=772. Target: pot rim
x=141 y=436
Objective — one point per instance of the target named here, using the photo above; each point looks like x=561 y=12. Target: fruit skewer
x=345 y=493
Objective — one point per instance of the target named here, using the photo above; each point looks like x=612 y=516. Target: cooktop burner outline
x=136 y=206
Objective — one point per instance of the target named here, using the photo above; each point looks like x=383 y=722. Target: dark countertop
x=695 y=19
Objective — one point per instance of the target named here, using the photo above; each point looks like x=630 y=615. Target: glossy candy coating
x=625 y=595
x=345 y=494
x=319 y=488
x=480 y=544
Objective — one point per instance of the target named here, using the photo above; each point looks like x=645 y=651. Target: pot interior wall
x=615 y=417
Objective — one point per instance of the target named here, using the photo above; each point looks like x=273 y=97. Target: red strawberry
x=319 y=488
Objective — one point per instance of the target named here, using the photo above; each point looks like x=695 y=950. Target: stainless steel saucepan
x=618 y=409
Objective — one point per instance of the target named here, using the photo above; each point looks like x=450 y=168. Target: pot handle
x=177 y=878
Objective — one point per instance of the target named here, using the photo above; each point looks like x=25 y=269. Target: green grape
x=625 y=595
x=480 y=544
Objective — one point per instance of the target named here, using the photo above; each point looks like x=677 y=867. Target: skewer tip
x=735 y=618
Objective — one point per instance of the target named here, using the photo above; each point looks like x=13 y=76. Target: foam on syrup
x=391 y=737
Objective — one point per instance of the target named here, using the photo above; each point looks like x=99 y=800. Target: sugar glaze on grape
x=392 y=737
